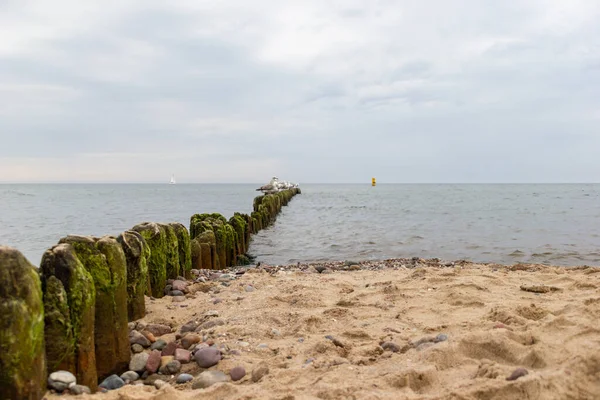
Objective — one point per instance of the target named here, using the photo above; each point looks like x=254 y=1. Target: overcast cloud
x=311 y=91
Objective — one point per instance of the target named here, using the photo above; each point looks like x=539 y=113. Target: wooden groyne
x=72 y=313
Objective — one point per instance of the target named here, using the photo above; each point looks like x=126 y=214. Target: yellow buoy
x=373 y=182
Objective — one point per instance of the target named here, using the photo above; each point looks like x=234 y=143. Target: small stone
x=182 y=286
x=178 y=299
x=152 y=378
x=168 y=289
x=136 y=348
x=138 y=362
x=207 y=357
x=158 y=329
x=153 y=361
x=212 y=323
x=149 y=335
x=189 y=327
x=130 y=376
x=235 y=352
x=209 y=378
x=442 y=337
x=60 y=380
x=183 y=378
x=217 y=301
x=171 y=368
x=243 y=344
x=164 y=360
x=176 y=293
x=159 y=383
x=112 y=382
x=169 y=349
x=393 y=347
x=517 y=373
x=262 y=346
x=158 y=345
x=131 y=325
x=195 y=272
x=259 y=372
x=80 y=389
x=183 y=356
x=249 y=288
x=237 y=373
x=320 y=268
x=136 y=337
x=189 y=340
x=275 y=332
x=212 y=313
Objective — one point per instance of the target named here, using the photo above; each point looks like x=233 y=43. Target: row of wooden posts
x=72 y=313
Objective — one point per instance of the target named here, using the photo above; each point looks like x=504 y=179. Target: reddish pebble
x=237 y=373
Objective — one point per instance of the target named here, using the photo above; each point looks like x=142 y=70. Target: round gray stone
x=138 y=362
x=136 y=348
x=183 y=378
x=207 y=357
x=112 y=382
x=130 y=376
x=60 y=380
x=158 y=345
x=80 y=389
x=237 y=373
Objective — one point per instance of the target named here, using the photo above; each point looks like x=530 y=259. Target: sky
x=236 y=91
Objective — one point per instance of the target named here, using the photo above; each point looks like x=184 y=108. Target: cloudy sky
x=311 y=91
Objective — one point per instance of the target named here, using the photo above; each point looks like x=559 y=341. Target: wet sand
x=394 y=329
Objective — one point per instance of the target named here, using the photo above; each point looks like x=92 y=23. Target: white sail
x=172 y=182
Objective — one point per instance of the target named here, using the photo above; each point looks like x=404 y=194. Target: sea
x=556 y=224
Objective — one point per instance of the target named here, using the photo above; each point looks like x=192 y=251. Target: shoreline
x=386 y=329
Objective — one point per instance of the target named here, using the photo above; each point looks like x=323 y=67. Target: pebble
x=176 y=293
x=212 y=323
x=168 y=289
x=442 y=337
x=131 y=325
x=159 y=383
x=259 y=372
x=393 y=347
x=275 y=332
x=178 y=299
x=189 y=340
x=158 y=329
x=237 y=373
x=212 y=313
x=60 y=380
x=130 y=376
x=189 y=327
x=183 y=356
x=136 y=348
x=153 y=361
x=517 y=373
x=149 y=335
x=243 y=344
x=195 y=272
x=179 y=285
x=164 y=360
x=207 y=357
x=183 y=378
x=320 y=268
x=209 y=378
x=136 y=337
x=171 y=368
x=169 y=349
x=152 y=378
x=181 y=278
x=262 y=346
x=80 y=389
x=112 y=382
x=217 y=301
x=249 y=288
x=158 y=345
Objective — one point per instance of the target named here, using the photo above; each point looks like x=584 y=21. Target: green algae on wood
x=22 y=361
x=171 y=251
x=105 y=260
x=136 y=252
x=155 y=237
x=185 y=251
x=62 y=263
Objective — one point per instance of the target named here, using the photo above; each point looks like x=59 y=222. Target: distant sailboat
x=172 y=181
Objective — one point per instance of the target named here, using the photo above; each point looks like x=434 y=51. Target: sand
x=496 y=319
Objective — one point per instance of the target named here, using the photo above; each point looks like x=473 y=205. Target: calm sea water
x=557 y=224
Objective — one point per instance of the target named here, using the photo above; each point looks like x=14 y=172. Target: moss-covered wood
x=136 y=252
x=22 y=360
x=171 y=251
x=155 y=237
x=69 y=332
x=185 y=251
x=105 y=260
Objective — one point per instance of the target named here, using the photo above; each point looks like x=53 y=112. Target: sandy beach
x=394 y=329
